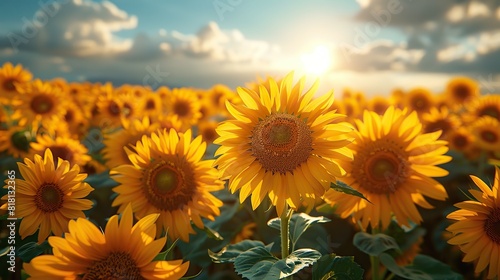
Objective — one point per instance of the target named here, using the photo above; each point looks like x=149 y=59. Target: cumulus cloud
x=220 y=45
x=72 y=28
x=445 y=35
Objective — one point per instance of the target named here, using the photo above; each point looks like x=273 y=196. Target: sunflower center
x=113 y=108
x=181 y=108
x=116 y=266
x=165 y=179
x=21 y=140
x=380 y=168
x=281 y=142
x=492 y=225
x=69 y=116
x=49 y=197
x=62 y=152
x=489 y=136
x=209 y=135
x=41 y=104
x=150 y=105
x=462 y=92
x=443 y=125
x=8 y=85
x=490 y=111
x=169 y=185
x=460 y=141
x=419 y=103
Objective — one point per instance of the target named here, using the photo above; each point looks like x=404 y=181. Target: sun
x=318 y=61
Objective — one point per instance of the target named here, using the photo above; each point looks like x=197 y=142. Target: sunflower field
x=273 y=180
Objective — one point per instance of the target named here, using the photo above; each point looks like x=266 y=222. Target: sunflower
x=151 y=105
x=460 y=139
x=392 y=166
x=207 y=130
x=379 y=104
x=184 y=103
x=15 y=141
x=108 y=110
x=461 y=90
x=62 y=147
x=169 y=177
x=440 y=119
x=350 y=108
x=282 y=144
x=115 y=142
x=49 y=196
x=10 y=76
x=476 y=227
x=75 y=120
x=170 y=121
x=246 y=232
x=40 y=102
x=487 y=105
x=487 y=133
x=122 y=251
x=420 y=100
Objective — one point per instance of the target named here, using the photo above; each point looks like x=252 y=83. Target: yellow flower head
x=392 y=166
x=167 y=176
x=122 y=251
x=282 y=144
x=49 y=196
x=476 y=227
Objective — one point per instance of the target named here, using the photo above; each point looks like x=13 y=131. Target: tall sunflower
x=392 y=166
x=10 y=76
x=49 y=196
x=184 y=103
x=487 y=133
x=63 y=147
x=476 y=227
x=440 y=119
x=484 y=106
x=40 y=102
x=116 y=142
x=282 y=144
x=122 y=251
x=461 y=90
x=420 y=100
x=15 y=140
x=169 y=177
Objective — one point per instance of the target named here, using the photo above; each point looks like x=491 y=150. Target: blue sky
x=369 y=45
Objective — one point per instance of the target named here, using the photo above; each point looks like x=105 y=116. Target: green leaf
x=163 y=255
x=405 y=237
x=32 y=249
x=257 y=263
x=299 y=223
x=101 y=180
x=338 y=268
x=230 y=252
x=406 y=272
x=192 y=276
x=297 y=260
x=374 y=245
x=434 y=268
x=344 y=188
x=212 y=233
x=4 y=251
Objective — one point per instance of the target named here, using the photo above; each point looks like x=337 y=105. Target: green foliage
x=32 y=249
x=336 y=268
x=376 y=244
x=344 y=188
x=423 y=268
x=101 y=180
x=299 y=223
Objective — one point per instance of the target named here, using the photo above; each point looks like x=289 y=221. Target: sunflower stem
x=374 y=260
x=285 y=240
x=284 y=228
